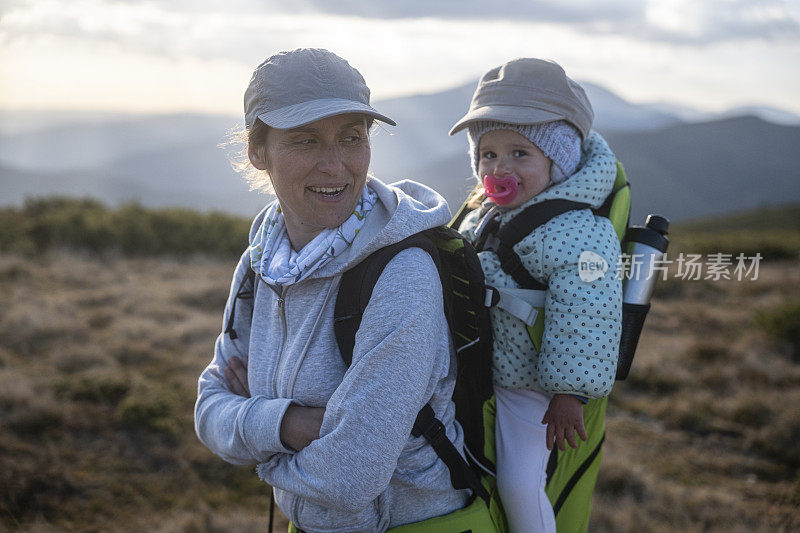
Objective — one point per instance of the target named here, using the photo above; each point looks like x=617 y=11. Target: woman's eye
x=307 y=141
x=352 y=139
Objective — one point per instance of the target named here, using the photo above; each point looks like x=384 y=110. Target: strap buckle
x=522 y=303
x=492 y=296
x=435 y=432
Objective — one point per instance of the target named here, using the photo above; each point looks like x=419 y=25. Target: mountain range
x=681 y=162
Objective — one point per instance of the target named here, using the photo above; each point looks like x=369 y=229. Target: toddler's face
x=506 y=153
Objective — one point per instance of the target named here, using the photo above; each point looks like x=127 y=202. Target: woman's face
x=318 y=172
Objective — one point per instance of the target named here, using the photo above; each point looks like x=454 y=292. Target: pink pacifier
x=500 y=190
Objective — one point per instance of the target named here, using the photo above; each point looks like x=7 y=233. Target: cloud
x=245 y=29
x=674 y=21
x=714 y=21
x=688 y=22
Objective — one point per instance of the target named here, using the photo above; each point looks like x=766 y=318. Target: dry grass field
x=99 y=356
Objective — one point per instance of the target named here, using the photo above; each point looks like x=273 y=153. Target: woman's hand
x=300 y=426
x=564 y=417
x=236 y=375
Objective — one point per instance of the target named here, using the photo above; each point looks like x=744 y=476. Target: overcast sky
x=197 y=55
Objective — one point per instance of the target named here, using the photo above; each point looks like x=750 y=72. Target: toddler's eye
x=520 y=153
x=488 y=155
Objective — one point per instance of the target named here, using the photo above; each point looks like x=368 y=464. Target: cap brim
x=505 y=113
x=304 y=113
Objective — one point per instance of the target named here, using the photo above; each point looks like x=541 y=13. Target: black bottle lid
x=658 y=223
x=654 y=234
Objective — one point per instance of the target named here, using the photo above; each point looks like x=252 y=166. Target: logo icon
x=591 y=266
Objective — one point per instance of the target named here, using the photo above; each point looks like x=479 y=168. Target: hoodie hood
x=402 y=209
x=590 y=184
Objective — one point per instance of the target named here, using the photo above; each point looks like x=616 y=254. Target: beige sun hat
x=529 y=91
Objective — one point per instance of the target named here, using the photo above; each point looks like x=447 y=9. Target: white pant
x=522 y=459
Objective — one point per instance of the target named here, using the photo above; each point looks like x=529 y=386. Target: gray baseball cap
x=529 y=91
x=295 y=88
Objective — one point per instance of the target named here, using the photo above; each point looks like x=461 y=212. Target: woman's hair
x=476 y=197
x=240 y=159
x=256 y=136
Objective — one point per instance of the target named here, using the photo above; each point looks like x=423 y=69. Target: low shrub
x=752 y=412
x=154 y=407
x=87 y=224
x=706 y=351
x=619 y=481
x=778 y=440
x=34 y=419
x=782 y=323
x=104 y=387
x=32 y=490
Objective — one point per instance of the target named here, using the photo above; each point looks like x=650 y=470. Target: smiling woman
x=335 y=442
x=318 y=172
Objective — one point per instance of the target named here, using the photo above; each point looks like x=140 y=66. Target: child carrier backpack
x=571 y=474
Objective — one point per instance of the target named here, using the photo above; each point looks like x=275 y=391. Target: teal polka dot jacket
x=582 y=318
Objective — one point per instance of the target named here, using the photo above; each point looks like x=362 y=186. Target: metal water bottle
x=646 y=246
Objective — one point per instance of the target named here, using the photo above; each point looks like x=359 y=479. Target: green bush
x=87 y=224
x=96 y=387
x=154 y=407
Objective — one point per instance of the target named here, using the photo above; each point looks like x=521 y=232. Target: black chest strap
x=501 y=240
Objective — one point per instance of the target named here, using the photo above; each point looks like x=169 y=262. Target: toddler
x=529 y=129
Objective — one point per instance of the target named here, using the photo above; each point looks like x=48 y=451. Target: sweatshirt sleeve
x=582 y=324
x=402 y=350
x=240 y=430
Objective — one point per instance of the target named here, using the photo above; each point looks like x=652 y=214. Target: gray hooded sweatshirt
x=365 y=472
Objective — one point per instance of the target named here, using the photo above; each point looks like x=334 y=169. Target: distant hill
x=612 y=113
x=684 y=169
x=94 y=141
x=695 y=170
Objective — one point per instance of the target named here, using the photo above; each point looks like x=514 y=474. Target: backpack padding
x=463 y=211
x=617 y=207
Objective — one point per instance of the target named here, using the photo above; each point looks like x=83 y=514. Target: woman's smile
x=328 y=193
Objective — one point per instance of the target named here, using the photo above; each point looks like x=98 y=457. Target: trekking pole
x=271 y=509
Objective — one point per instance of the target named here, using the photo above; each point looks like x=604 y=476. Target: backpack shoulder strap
x=517 y=228
x=355 y=290
x=534 y=216
x=245 y=291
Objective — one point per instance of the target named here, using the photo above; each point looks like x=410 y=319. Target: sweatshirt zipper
x=281 y=292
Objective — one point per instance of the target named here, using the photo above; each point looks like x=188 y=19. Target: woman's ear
x=257 y=156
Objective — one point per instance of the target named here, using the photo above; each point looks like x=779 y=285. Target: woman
x=334 y=442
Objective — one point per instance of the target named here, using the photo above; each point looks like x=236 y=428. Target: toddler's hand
x=564 y=417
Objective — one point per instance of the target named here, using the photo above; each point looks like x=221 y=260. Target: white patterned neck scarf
x=272 y=256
